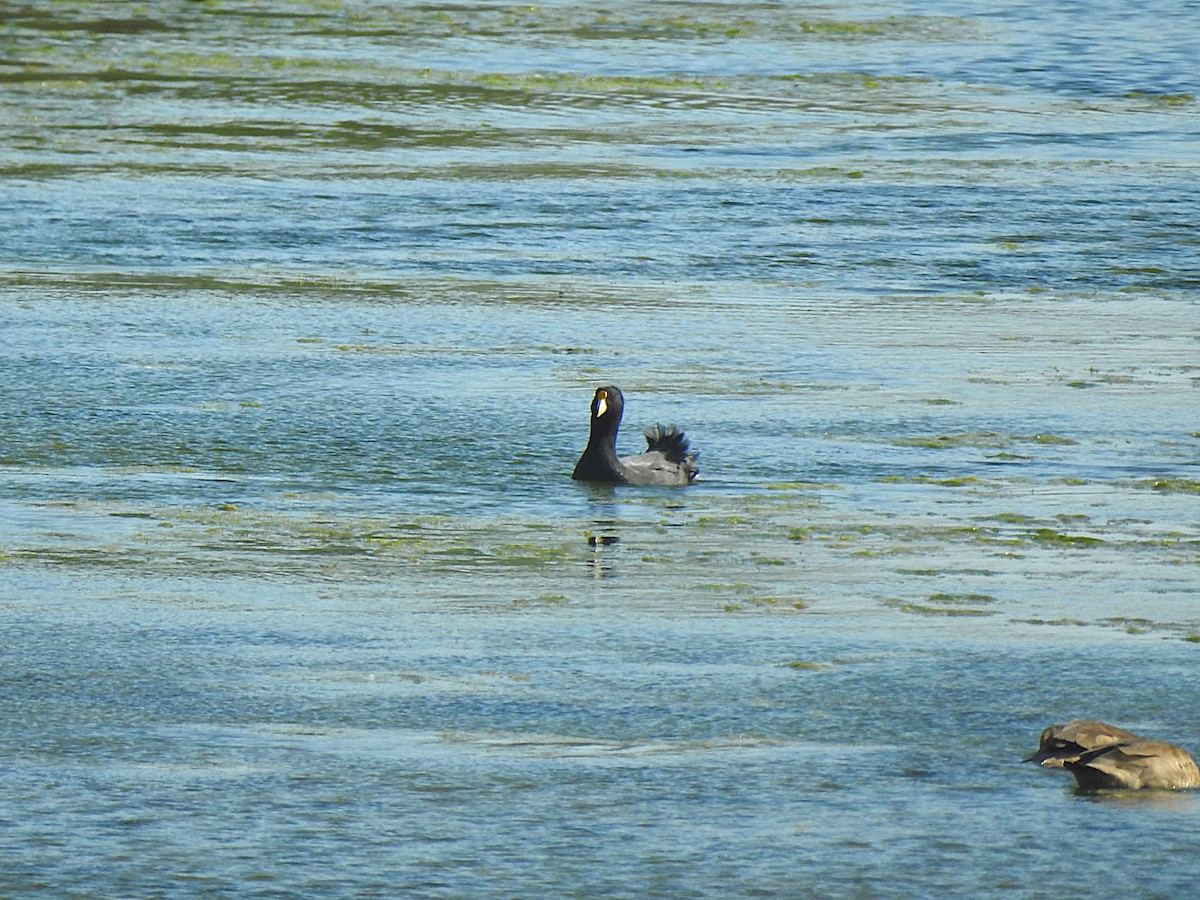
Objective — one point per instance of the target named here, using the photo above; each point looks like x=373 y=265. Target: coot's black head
x=607 y=407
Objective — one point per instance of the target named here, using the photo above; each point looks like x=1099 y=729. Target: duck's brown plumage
x=1135 y=765
x=1068 y=741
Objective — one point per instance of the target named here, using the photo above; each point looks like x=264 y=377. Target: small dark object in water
x=667 y=460
x=602 y=540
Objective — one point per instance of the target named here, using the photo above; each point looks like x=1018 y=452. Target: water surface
x=303 y=306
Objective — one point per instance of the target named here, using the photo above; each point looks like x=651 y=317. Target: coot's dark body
x=667 y=460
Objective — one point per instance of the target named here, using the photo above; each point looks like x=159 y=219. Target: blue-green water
x=303 y=305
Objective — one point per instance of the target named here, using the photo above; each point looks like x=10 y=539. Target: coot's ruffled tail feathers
x=670 y=442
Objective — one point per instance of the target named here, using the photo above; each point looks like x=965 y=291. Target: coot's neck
x=599 y=459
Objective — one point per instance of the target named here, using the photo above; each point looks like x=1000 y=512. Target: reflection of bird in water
x=1070 y=740
x=1135 y=765
x=667 y=460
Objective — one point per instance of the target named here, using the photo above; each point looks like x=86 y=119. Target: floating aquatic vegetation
x=1167 y=100
x=960 y=481
x=946 y=604
x=1052 y=537
x=1174 y=485
x=925 y=609
x=985 y=439
x=766 y=604
x=960 y=599
x=543 y=600
x=807 y=665
x=1055 y=622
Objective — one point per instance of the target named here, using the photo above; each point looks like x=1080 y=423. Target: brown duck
x=1069 y=741
x=1135 y=765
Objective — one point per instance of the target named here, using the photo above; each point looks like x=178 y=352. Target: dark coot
x=667 y=460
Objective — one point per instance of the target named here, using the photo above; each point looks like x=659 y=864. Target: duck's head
x=1053 y=750
x=1067 y=742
